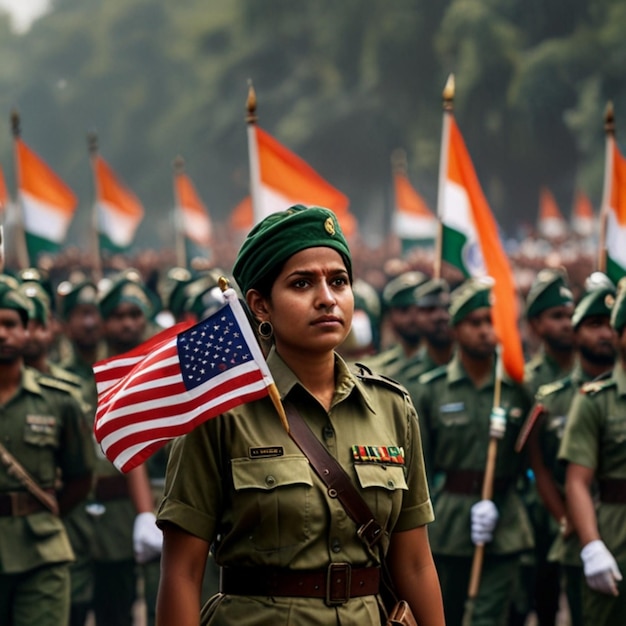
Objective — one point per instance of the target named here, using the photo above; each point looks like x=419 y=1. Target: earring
x=266 y=330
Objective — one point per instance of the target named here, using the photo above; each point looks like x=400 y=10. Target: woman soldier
x=239 y=483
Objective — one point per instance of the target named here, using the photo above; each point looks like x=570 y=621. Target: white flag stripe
x=174 y=400
x=43 y=219
x=176 y=419
x=117 y=226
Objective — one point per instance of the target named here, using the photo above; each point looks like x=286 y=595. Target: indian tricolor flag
x=614 y=213
x=280 y=179
x=583 y=217
x=118 y=210
x=413 y=222
x=47 y=203
x=193 y=216
x=4 y=194
x=551 y=224
x=470 y=240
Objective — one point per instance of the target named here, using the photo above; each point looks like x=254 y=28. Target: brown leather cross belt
x=20 y=503
x=613 y=490
x=335 y=585
x=470 y=482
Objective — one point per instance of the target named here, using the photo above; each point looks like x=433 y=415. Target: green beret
x=203 y=296
x=471 y=295
x=433 y=292
x=618 y=314
x=11 y=298
x=280 y=235
x=74 y=292
x=126 y=287
x=41 y=276
x=176 y=279
x=40 y=301
x=399 y=291
x=549 y=289
x=598 y=300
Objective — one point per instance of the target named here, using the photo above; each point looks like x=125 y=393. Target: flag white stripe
x=43 y=219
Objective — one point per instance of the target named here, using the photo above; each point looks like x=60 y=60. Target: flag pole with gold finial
x=21 y=250
x=181 y=252
x=609 y=131
x=448 y=108
x=96 y=260
x=273 y=392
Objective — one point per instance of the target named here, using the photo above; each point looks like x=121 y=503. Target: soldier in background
x=454 y=404
x=549 y=308
x=77 y=522
x=595 y=356
x=400 y=312
x=43 y=428
x=123 y=508
x=594 y=448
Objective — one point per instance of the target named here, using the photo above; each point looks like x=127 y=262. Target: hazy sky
x=24 y=11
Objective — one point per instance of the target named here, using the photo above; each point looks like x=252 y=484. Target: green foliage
x=340 y=83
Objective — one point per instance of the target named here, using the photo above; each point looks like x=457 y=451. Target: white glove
x=601 y=570
x=147 y=538
x=484 y=519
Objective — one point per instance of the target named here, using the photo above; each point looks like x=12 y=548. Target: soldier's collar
x=29 y=380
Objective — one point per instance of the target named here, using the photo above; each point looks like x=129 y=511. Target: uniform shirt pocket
x=272 y=501
x=381 y=488
x=41 y=436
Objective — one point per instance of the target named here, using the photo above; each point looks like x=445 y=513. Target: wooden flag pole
x=497 y=426
x=21 y=250
x=92 y=146
x=448 y=110
x=253 y=154
x=609 y=131
x=181 y=253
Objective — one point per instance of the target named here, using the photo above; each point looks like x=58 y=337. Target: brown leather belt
x=20 y=503
x=111 y=488
x=335 y=585
x=470 y=482
x=613 y=490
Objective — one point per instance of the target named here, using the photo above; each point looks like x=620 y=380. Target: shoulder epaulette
x=431 y=375
x=56 y=383
x=67 y=377
x=553 y=387
x=598 y=384
x=366 y=375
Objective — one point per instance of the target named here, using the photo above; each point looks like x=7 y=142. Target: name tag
x=452 y=407
x=269 y=451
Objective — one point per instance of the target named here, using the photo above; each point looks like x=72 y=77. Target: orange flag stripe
x=35 y=177
x=618 y=186
x=407 y=198
x=286 y=172
x=505 y=309
x=112 y=191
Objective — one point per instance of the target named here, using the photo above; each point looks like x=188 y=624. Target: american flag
x=184 y=379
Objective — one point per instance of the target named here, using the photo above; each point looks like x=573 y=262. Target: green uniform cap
x=549 y=289
x=74 y=292
x=126 y=287
x=203 y=296
x=11 y=298
x=598 y=300
x=434 y=292
x=618 y=314
x=471 y=295
x=41 y=276
x=40 y=301
x=399 y=291
x=173 y=292
x=280 y=235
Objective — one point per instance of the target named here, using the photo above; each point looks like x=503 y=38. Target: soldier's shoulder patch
x=549 y=388
x=67 y=377
x=51 y=382
x=598 y=384
x=428 y=377
x=366 y=375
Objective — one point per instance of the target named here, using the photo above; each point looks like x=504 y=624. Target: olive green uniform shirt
x=595 y=437
x=556 y=399
x=43 y=427
x=456 y=415
x=541 y=370
x=240 y=476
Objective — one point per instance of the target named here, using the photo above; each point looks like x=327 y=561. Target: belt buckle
x=338 y=575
